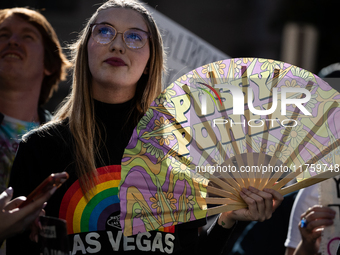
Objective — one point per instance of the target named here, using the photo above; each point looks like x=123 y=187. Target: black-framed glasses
x=133 y=38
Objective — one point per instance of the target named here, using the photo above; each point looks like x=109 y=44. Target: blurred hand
x=14 y=220
x=261 y=205
x=317 y=217
x=36 y=227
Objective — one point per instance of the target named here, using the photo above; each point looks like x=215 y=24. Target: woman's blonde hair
x=79 y=106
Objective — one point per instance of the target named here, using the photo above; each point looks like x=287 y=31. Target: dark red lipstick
x=115 y=62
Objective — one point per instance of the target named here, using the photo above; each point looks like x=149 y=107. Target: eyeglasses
x=133 y=38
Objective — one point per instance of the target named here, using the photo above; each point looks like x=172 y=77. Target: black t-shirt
x=93 y=226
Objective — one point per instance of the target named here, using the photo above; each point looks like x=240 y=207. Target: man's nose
x=14 y=39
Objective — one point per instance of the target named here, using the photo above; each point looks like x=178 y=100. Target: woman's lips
x=115 y=62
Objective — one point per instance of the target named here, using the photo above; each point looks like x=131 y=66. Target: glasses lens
x=103 y=34
x=135 y=38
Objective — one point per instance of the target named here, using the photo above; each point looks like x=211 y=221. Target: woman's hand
x=315 y=218
x=261 y=205
x=36 y=227
x=14 y=220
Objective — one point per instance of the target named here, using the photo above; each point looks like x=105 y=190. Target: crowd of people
x=117 y=64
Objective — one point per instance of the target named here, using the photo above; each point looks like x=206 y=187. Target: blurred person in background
x=31 y=66
x=306 y=239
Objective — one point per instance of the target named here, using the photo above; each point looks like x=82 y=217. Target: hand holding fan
x=230 y=124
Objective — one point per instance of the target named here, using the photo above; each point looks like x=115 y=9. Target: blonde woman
x=118 y=64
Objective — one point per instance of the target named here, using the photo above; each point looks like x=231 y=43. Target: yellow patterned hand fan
x=221 y=127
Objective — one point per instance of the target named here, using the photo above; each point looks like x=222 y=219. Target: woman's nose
x=118 y=43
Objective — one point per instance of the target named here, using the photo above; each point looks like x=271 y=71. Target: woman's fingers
x=252 y=207
x=36 y=211
x=315 y=224
x=268 y=201
x=317 y=233
x=18 y=219
x=311 y=236
x=255 y=203
x=5 y=197
x=27 y=214
x=260 y=203
x=325 y=211
x=278 y=198
x=38 y=204
x=317 y=217
x=35 y=226
x=15 y=203
x=312 y=216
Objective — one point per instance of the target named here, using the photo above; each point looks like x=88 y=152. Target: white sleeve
x=306 y=198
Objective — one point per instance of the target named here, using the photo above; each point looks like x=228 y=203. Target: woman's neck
x=112 y=95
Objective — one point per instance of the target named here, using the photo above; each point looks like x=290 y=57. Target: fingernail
x=9 y=191
x=44 y=205
x=53 y=190
x=39 y=224
x=36 y=238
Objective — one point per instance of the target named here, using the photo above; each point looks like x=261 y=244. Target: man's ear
x=47 y=72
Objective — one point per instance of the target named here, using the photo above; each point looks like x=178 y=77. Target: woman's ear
x=146 y=70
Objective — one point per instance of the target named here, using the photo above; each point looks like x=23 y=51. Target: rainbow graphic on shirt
x=92 y=215
x=103 y=202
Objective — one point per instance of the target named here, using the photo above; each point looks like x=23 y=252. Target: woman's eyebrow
x=107 y=23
